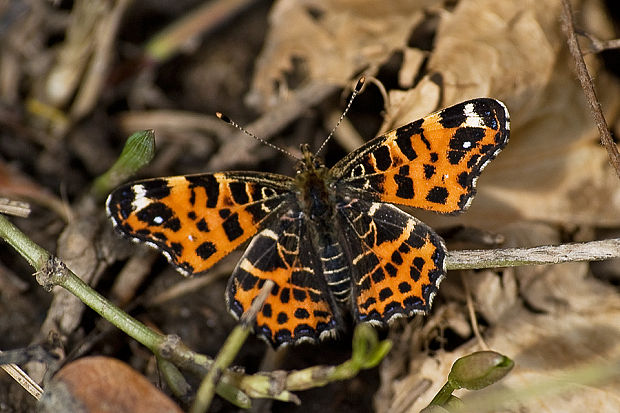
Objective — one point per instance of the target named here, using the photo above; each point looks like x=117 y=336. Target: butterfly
x=330 y=238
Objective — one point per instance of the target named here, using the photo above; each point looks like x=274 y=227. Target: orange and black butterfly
x=328 y=237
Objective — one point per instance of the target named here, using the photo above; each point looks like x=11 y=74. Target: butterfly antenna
x=356 y=91
x=236 y=125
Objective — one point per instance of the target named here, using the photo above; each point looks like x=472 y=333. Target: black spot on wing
x=301 y=313
x=263 y=254
x=202 y=225
x=224 y=213
x=404 y=287
x=378 y=275
x=453 y=116
x=404 y=187
x=210 y=185
x=248 y=282
x=282 y=318
x=473 y=161
x=382 y=157
x=404 y=136
x=455 y=156
x=206 y=249
x=429 y=171
x=385 y=293
x=232 y=228
x=173 y=224
x=176 y=248
x=239 y=193
x=156 y=188
x=466 y=137
x=438 y=195
x=285 y=295
x=155 y=214
x=463 y=179
x=267 y=311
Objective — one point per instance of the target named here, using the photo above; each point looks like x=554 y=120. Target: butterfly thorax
x=311 y=179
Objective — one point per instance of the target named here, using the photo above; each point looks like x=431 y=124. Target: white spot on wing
x=140 y=201
x=472 y=119
x=158 y=220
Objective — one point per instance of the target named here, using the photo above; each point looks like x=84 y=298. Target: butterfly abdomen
x=335 y=268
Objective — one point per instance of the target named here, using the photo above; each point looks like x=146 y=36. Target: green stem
x=34 y=254
x=141 y=333
x=443 y=395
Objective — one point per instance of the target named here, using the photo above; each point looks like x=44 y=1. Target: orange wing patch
x=432 y=163
x=196 y=220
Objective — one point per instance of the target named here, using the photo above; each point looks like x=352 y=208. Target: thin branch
x=229 y=351
x=549 y=254
x=588 y=87
x=597 y=45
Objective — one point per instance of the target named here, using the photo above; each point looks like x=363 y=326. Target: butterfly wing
x=299 y=307
x=196 y=220
x=432 y=163
x=397 y=261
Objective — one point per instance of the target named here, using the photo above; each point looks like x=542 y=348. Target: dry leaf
x=103 y=385
x=331 y=40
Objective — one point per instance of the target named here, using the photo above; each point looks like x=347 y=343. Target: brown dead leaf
x=331 y=40
x=102 y=385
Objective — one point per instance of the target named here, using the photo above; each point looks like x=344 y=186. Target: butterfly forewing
x=432 y=163
x=196 y=220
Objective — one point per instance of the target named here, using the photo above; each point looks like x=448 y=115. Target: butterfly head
x=309 y=162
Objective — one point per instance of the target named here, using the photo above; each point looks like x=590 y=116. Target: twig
x=588 y=87
x=472 y=314
x=23 y=379
x=229 y=351
x=597 y=45
x=549 y=254
x=15 y=208
x=183 y=31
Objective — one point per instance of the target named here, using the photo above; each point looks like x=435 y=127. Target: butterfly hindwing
x=299 y=307
x=196 y=220
x=432 y=163
x=397 y=261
